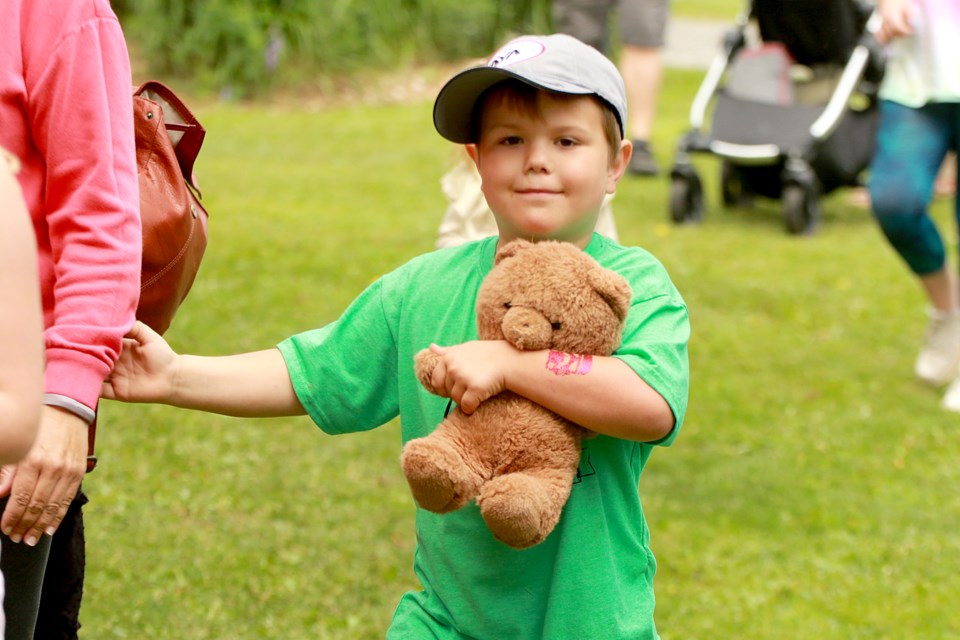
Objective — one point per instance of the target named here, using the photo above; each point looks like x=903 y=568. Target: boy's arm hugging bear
x=516 y=458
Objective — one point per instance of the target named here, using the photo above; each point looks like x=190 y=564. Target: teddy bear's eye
x=555 y=326
x=507 y=305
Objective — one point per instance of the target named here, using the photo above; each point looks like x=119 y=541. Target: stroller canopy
x=813 y=31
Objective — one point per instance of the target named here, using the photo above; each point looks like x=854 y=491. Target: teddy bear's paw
x=438 y=479
x=424 y=363
x=519 y=510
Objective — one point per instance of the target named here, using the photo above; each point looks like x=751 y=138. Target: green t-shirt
x=592 y=578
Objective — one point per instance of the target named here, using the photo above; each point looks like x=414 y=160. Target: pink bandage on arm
x=564 y=364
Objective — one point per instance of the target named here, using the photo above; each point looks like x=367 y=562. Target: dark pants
x=44 y=584
x=23 y=569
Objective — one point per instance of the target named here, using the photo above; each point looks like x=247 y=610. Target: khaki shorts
x=643 y=23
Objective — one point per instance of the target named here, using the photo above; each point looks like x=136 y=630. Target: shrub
x=246 y=47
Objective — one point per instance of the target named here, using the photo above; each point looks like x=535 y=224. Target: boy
x=543 y=122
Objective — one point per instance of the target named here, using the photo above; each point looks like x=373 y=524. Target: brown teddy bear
x=517 y=459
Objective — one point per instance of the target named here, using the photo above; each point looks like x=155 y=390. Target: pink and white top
x=925 y=66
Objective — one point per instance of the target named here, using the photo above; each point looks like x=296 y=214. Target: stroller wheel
x=801 y=209
x=686 y=198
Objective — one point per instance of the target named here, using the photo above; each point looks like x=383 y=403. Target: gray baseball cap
x=558 y=62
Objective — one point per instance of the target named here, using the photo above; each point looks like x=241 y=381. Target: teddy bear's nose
x=527 y=329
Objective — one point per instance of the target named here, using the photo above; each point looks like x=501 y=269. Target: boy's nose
x=537 y=158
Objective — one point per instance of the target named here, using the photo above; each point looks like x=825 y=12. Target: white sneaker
x=940 y=356
x=951 y=399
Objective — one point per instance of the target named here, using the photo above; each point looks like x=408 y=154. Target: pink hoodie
x=66 y=112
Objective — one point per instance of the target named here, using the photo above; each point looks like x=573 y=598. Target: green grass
x=811 y=494
x=725 y=10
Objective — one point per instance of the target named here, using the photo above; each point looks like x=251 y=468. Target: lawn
x=725 y=10
x=811 y=494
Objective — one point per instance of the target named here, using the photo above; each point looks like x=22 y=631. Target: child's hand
x=145 y=370
x=471 y=372
x=898 y=16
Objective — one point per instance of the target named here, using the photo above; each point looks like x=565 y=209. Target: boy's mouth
x=538 y=192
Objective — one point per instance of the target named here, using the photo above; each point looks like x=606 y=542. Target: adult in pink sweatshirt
x=66 y=113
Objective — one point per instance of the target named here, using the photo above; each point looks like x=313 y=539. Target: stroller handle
x=849 y=79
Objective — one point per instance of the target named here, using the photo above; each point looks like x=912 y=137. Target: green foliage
x=250 y=46
x=811 y=493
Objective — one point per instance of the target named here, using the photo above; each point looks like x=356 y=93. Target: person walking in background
x=919 y=125
x=66 y=112
x=642 y=26
x=21 y=328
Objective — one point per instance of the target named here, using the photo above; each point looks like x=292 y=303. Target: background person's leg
x=643 y=27
x=911 y=144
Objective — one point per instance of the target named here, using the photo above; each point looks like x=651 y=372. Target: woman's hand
x=45 y=482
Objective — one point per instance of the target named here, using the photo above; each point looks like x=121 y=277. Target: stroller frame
x=793 y=171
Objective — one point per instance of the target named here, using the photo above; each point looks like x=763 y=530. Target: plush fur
x=515 y=458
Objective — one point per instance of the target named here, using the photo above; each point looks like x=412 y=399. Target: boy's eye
x=510 y=141
x=567 y=142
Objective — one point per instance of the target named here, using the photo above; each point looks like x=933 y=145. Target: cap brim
x=454 y=107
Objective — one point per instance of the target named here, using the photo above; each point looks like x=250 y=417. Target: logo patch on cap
x=516 y=51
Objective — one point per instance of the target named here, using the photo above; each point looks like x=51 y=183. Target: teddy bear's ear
x=511 y=249
x=614 y=290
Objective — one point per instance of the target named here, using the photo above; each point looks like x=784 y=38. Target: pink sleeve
x=81 y=118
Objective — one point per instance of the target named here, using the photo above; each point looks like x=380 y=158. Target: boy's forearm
x=246 y=385
x=602 y=394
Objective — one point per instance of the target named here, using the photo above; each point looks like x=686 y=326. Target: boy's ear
x=471 y=150
x=618 y=166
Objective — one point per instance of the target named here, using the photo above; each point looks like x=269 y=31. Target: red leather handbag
x=168 y=140
x=174 y=222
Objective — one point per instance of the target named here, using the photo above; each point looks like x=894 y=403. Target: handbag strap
x=186 y=132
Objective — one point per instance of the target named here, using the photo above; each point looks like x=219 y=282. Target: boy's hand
x=471 y=372
x=146 y=368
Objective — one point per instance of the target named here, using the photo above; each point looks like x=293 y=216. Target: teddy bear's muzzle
x=527 y=329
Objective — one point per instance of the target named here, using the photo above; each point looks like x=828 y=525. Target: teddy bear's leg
x=522 y=508
x=439 y=477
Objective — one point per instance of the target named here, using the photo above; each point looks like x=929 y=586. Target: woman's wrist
x=78 y=409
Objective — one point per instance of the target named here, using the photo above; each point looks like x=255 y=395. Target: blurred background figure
x=919 y=126
x=642 y=27
x=21 y=327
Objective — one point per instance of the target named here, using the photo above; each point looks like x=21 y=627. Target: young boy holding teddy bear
x=543 y=121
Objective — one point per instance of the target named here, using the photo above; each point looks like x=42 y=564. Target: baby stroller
x=796 y=115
